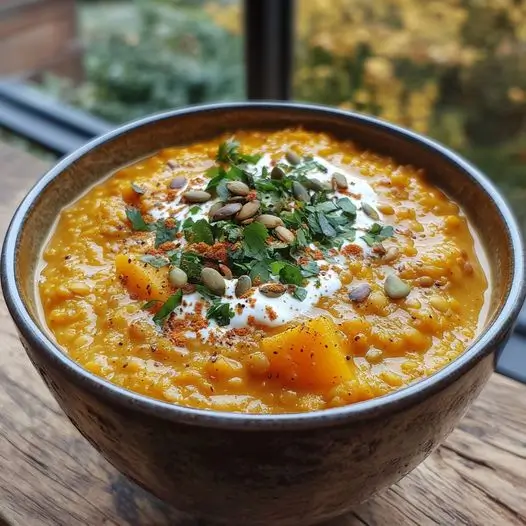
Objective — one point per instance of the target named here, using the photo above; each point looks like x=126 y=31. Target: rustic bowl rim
x=392 y=402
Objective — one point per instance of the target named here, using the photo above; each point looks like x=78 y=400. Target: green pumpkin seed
x=314 y=184
x=238 y=188
x=284 y=234
x=277 y=173
x=243 y=285
x=226 y=211
x=273 y=290
x=249 y=210
x=177 y=277
x=360 y=292
x=340 y=180
x=370 y=211
x=292 y=158
x=395 y=288
x=269 y=220
x=214 y=208
x=300 y=192
x=196 y=196
x=178 y=182
x=236 y=199
x=213 y=281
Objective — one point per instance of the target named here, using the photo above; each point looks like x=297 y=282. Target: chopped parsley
x=192 y=265
x=155 y=261
x=137 y=221
x=199 y=232
x=168 y=307
x=299 y=293
x=221 y=313
x=377 y=233
x=255 y=241
x=315 y=216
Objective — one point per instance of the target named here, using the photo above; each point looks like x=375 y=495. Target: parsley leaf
x=221 y=313
x=191 y=264
x=168 y=307
x=290 y=274
x=206 y=292
x=199 y=232
x=254 y=240
x=310 y=269
x=326 y=228
x=377 y=233
x=302 y=238
x=150 y=304
x=163 y=233
x=260 y=273
x=195 y=209
x=299 y=293
x=155 y=261
x=227 y=151
x=249 y=159
x=347 y=206
x=137 y=221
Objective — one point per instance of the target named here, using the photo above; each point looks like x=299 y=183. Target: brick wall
x=38 y=36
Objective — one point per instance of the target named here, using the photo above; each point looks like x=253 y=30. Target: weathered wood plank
x=49 y=475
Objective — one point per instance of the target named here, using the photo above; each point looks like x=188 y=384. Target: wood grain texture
x=49 y=475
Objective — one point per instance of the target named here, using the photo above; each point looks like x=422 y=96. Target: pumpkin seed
x=292 y=157
x=314 y=184
x=243 y=285
x=249 y=210
x=360 y=292
x=178 y=182
x=269 y=220
x=236 y=199
x=395 y=288
x=277 y=173
x=213 y=281
x=238 y=188
x=370 y=211
x=196 y=196
x=227 y=211
x=214 y=208
x=272 y=290
x=225 y=271
x=391 y=254
x=340 y=180
x=177 y=277
x=284 y=234
x=300 y=192
x=247 y=221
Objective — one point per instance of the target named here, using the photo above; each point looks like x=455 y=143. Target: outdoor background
x=451 y=69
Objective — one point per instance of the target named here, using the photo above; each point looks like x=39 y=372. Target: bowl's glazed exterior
x=263 y=469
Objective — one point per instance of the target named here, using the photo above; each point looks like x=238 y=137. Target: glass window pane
x=454 y=70
x=121 y=59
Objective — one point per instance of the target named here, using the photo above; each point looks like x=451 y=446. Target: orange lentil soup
x=265 y=272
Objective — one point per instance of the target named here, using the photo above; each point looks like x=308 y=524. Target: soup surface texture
x=264 y=272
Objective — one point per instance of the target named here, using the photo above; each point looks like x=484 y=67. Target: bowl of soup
x=263 y=312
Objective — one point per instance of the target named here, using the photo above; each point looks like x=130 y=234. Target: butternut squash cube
x=309 y=355
x=141 y=280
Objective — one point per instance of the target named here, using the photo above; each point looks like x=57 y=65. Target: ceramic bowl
x=263 y=469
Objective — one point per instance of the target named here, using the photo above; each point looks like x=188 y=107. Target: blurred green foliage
x=150 y=55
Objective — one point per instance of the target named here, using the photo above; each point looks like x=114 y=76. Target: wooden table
x=49 y=475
